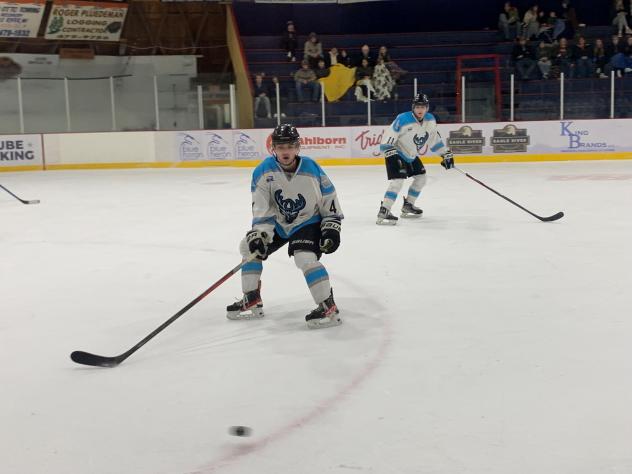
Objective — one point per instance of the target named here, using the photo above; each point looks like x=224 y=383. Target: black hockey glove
x=257 y=243
x=329 y=236
x=447 y=160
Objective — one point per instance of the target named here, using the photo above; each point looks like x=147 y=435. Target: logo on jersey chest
x=289 y=208
x=420 y=141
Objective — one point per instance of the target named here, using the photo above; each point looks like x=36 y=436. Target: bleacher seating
x=431 y=58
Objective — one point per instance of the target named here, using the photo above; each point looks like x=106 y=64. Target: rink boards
x=471 y=142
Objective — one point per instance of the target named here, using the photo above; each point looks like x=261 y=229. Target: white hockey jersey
x=412 y=138
x=288 y=204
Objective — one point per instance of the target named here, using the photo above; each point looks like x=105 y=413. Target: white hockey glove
x=447 y=160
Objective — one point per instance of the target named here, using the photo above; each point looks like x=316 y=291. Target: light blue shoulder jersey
x=288 y=204
x=412 y=138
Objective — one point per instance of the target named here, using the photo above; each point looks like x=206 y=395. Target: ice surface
x=475 y=340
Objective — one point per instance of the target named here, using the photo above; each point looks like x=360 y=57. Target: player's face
x=420 y=111
x=286 y=153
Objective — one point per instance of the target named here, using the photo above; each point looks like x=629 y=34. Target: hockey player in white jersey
x=410 y=136
x=293 y=201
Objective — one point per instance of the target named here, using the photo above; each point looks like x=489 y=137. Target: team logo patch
x=289 y=208
x=420 y=141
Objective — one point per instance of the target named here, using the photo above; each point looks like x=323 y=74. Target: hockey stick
x=86 y=358
x=554 y=217
x=23 y=201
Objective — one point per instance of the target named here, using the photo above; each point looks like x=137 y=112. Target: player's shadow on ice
x=453 y=223
x=359 y=319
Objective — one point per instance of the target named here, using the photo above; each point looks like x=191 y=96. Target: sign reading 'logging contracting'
x=85 y=21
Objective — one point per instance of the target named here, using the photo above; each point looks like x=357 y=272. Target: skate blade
x=410 y=216
x=385 y=222
x=324 y=322
x=237 y=316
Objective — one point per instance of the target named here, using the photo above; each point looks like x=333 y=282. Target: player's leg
x=304 y=247
x=416 y=171
x=250 y=306
x=396 y=172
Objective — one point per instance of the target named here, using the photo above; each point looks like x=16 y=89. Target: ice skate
x=249 y=307
x=410 y=210
x=325 y=315
x=385 y=217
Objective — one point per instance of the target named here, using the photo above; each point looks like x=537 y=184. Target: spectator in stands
x=622 y=62
x=570 y=15
x=582 y=53
x=523 y=57
x=313 y=50
x=262 y=97
x=306 y=79
x=382 y=81
x=600 y=58
x=322 y=70
x=363 y=75
x=547 y=24
x=509 y=22
x=563 y=60
x=383 y=53
x=345 y=59
x=620 y=21
x=365 y=53
x=530 y=23
x=332 y=57
x=544 y=59
x=614 y=52
x=566 y=21
x=393 y=68
x=289 y=41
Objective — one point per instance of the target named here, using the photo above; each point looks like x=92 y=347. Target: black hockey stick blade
x=86 y=358
x=552 y=218
x=23 y=201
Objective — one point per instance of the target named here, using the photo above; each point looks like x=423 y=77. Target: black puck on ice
x=239 y=431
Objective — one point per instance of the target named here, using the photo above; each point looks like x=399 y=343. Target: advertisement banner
x=221 y=145
x=482 y=141
x=21 y=150
x=551 y=137
x=365 y=141
x=21 y=18
x=94 y=21
x=325 y=142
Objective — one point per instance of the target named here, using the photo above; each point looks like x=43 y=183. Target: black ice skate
x=325 y=315
x=249 y=307
x=385 y=217
x=410 y=210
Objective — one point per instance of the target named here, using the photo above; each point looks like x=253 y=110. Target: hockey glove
x=447 y=160
x=329 y=236
x=258 y=243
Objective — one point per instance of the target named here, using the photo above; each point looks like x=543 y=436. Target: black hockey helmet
x=420 y=99
x=285 y=133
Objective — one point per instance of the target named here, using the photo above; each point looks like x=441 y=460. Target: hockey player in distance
x=293 y=201
x=408 y=137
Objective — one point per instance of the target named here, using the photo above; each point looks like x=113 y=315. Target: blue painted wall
x=395 y=16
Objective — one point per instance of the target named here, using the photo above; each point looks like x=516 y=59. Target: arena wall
x=471 y=143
